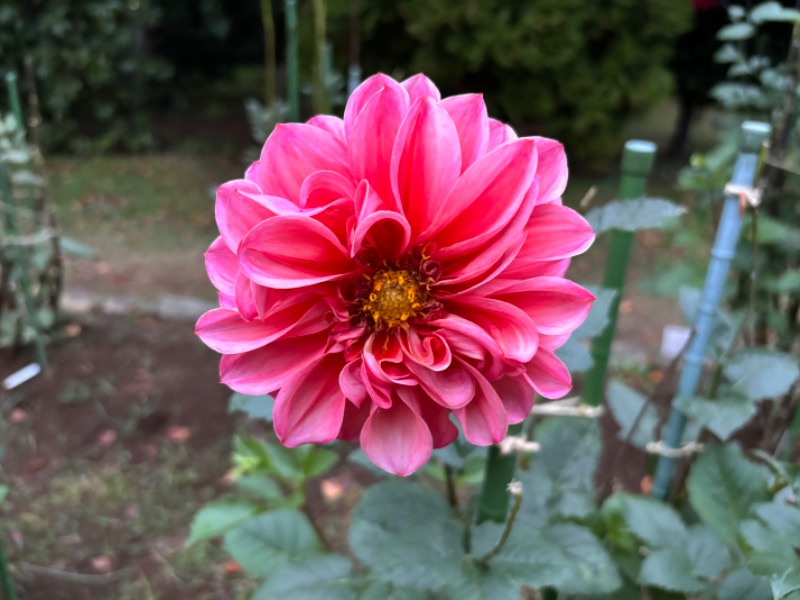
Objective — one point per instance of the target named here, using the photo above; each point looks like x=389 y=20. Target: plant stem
x=493 y=504
x=9 y=593
x=452 y=499
x=506 y=530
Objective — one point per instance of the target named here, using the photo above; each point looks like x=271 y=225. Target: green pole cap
x=753 y=135
x=638 y=157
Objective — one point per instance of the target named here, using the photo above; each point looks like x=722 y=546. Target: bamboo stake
x=753 y=135
x=637 y=162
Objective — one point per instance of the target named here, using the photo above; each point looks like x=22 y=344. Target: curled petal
x=425 y=163
x=291 y=252
x=331 y=124
x=499 y=134
x=552 y=169
x=351 y=382
x=245 y=300
x=310 y=406
x=222 y=267
x=294 y=151
x=236 y=212
x=548 y=375
x=419 y=86
x=362 y=94
x=323 y=187
x=267 y=369
x=384 y=230
x=437 y=417
x=555 y=232
x=483 y=420
x=225 y=331
x=517 y=397
x=428 y=350
x=397 y=439
x=556 y=305
x=452 y=387
x=468 y=112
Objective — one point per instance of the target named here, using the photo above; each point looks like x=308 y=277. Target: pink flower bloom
x=385 y=271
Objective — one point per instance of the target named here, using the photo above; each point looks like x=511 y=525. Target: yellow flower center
x=396 y=296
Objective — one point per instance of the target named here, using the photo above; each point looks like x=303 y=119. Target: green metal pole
x=637 y=162
x=493 y=505
x=9 y=593
x=13 y=98
x=292 y=66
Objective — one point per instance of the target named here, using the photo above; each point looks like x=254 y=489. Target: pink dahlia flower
x=389 y=270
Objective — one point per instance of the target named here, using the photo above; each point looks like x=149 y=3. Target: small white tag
x=21 y=376
x=673 y=339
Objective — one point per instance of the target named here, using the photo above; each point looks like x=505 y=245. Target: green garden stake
x=6 y=582
x=751 y=139
x=499 y=472
x=13 y=98
x=292 y=66
x=320 y=90
x=637 y=162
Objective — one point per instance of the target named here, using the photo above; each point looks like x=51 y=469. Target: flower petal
x=425 y=162
x=267 y=369
x=293 y=251
x=331 y=124
x=362 y=94
x=556 y=305
x=485 y=198
x=351 y=382
x=517 y=397
x=309 y=409
x=386 y=231
x=372 y=137
x=452 y=387
x=236 y=212
x=244 y=298
x=483 y=420
x=555 y=232
x=323 y=187
x=499 y=134
x=437 y=417
x=295 y=150
x=552 y=169
x=468 y=112
x=397 y=439
x=222 y=266
x=548 y=375
x=419 y=86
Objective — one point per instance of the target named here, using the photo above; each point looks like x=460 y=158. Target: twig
x=515 y=488
x=72 y=577
x=452 y=499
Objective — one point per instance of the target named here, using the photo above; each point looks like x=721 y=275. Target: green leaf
x=272 y=539
x=633 y=215
x=219 y=517
x=707 y=553
x=655 y=523
x=723 y=416
x=773 y=11
x=625 y=404
x=768 y=552
x=781 y=517
x=320 y=578
x=255 y=407
x=477 y=583
x=261 y=486
x=762 y=373
x=787 y=586
x=743 y=585
x=383 y=590
x=407 y=535
x=73 y=247
x=575 y=356
x=3 y=492
x=669 y=568
x=597 y=319
x=736 y=32
x=787 y=282
x=566 y=556
x=723 y=486
x=318 y=461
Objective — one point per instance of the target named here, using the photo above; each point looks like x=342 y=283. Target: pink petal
x=225 y=331
x=468 y=112
x=425 y=162
x=499 y=134
x=351 y=382
x=548 y=375
x=323 y=187
x=251 y=174
x=222 y=266
x=483 y=420
x=552 y=170
x=556 y=305
x=486 y=197
x=236 y=212
x=291 y=252
x=267 y=369
x=442 y=429
x=419 y=86
x=397 y=439
x=427 y=349
x=513 y=331
x=386 y=231
x=362 y=94
x=555 y=232
x=372 y=137
x=310 y=406
x=333 y=125
x=517 y=397
x=353 y=421
x=245 y=300
x=294 y=151
x=452 y=387
x=468 y=340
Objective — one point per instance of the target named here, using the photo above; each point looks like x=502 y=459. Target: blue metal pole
x=753 y=135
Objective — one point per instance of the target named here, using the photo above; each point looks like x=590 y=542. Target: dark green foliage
x=570 y=69
x=91 y=64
